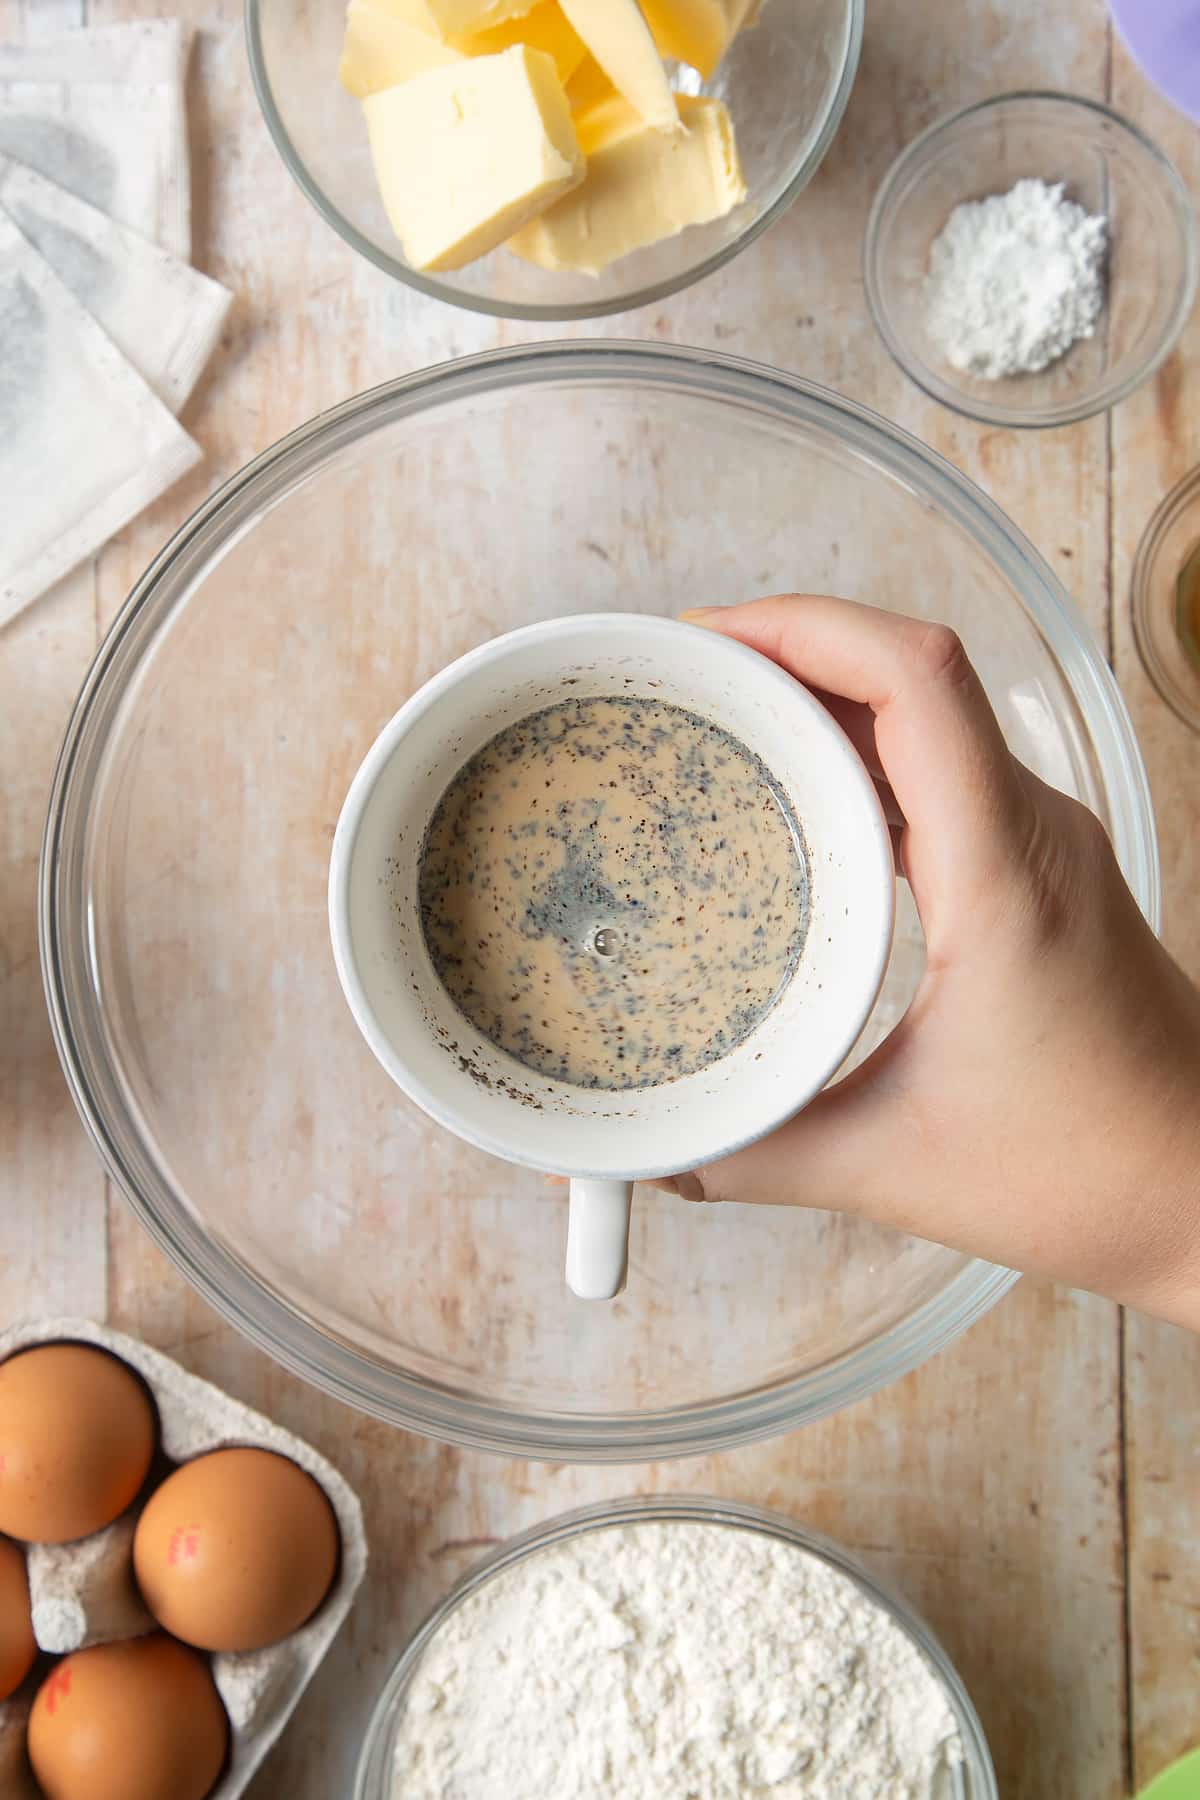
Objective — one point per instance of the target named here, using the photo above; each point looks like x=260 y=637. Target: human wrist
x=1160 y=1189
x=1172 y=1287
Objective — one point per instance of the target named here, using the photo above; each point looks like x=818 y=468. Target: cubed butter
x=455 y=18
x=588 y=86
x=642 y=185
x=602 y=124
x=618 y=36
x=466 y=155
x=380 y=50
x=545 y=28
x=697 y=31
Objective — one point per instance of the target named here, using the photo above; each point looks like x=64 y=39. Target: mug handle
x=598 y=1238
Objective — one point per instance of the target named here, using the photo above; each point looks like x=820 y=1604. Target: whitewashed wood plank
x=1156 y=438
x=25 y=21
x=53 y=1242
x=985 y=1482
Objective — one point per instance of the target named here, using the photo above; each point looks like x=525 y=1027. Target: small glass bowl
x=1172 y=541
x=972 y=1779
x=1109 y=167
x=786 y=83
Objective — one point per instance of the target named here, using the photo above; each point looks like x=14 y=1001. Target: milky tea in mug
x=611 y=897
x=614 y=891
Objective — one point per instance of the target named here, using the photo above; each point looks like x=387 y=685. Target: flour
x=672 y=1661
x=1015 y=280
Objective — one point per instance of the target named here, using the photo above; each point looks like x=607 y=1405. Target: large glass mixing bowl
x=188 y=969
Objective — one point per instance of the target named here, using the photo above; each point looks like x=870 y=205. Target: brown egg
x=17 y=1645
x=76 y=1439
x=140 y=1720
x=236 y=1550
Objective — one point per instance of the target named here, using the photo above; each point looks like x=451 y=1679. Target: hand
x=1037 y=1104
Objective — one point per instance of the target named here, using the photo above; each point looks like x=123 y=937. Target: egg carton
x=84 y=1593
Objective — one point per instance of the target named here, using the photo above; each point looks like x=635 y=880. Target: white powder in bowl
x=663 y=1660
x=1015 y=280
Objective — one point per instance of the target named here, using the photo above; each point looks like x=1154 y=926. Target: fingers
x=935 y=734
x=894 y=818
x=815 y=1160
x=889 y=803
x=858 y=723
x=685 y=1187
x=842 y=1152
x=858 y=653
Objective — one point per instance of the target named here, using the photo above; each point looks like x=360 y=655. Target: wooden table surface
x=1035 y=1489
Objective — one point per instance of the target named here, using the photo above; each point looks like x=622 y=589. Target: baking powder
x=1015 y=280
x=672 y=1661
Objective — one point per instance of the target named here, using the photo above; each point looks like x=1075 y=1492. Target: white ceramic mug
x=605 y=1139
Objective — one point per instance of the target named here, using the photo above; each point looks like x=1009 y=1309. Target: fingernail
x=698 y=614
x=691 y=1188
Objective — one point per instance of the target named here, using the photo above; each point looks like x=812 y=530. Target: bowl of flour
x=1031 y=260
x=673 y=1649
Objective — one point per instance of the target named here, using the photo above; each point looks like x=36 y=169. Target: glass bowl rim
x=248 y=1300
x=433 y=289
x=374 y=1761
x=1184 y=496
x=1109 y=393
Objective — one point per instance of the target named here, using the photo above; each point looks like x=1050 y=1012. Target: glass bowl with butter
x=185 y=940
x=571 y=175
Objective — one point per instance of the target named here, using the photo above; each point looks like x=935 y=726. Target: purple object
x=1163 y=36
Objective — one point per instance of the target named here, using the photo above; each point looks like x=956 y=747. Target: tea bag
x=101 y=112
x=147 y=52
x=121 y=148
x=164 y=316
x=84 y=443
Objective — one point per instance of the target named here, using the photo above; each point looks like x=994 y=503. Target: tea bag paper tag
x=84 y=443
x=161 y=314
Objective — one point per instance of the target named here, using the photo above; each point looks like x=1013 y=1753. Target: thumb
x=848 y=1151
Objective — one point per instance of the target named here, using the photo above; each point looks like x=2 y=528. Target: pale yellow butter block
x=602 y=124
x=466 y=155
x=616 y=33
x=588 y=86
x=546 y=28
x=380 y=50
x=642 y=185
x=454 y=18
x=698 y=32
